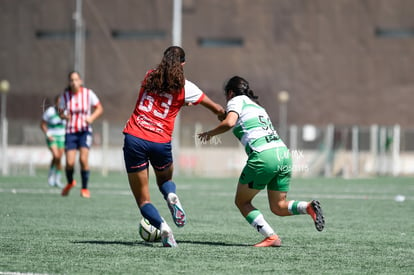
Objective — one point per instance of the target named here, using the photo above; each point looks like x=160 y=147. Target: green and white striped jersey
x=253 y=127
x=55 y=124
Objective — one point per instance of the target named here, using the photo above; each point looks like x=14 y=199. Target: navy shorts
x=78 y=140
x=138 y=153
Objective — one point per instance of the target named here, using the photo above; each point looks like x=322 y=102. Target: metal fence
x=331 y=150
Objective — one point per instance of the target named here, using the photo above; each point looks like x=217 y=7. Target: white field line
x=20 y=273
x=221 y=194
x=57 y=191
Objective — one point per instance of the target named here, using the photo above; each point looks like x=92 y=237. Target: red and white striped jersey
x=154 y=114
x=79 y=107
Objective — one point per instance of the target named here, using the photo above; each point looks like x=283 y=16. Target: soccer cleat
x=65 y=191
x=176 y=210
x=167 y=238
x=85 y=193
x=273 y=240
x=58 y=182
x=314 y=209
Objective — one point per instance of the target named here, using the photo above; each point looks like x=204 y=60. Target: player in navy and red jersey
x=80 y=106
x=148 y=133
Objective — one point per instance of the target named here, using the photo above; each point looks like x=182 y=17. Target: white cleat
x=167 y=237
x=176 y=209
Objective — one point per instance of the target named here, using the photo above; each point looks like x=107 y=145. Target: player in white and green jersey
x=54 y=128
x=269 y=163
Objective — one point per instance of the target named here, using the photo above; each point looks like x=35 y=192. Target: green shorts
x=271 y=168
x=58 y=141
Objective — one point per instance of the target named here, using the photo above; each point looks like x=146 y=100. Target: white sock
x=51 y=176
x=260 y=224
x=165 y=228
x=172 y=198
x=58 y=178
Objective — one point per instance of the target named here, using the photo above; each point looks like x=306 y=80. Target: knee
x=83 y=163
x=237 y=205
x=276 y=211
x=56 y=160
x=241 y=204
x=70 y=165
x=279 y=208
x=237 y=202
x=83 y=160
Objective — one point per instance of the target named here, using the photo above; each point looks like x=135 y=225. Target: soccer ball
x=148 y=232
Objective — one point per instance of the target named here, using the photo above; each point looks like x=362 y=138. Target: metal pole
x=329 y=141
x=4 y=131
x=396 y=139
x=3 y=106
x=105 y=146
x=355 y=151
x=374 y=148
x=293 y=138
x=176 y=41
x=79 y=65
x=283 y=98
x=382 y=152
x=4 y=89
x=282 y=120
x=177 y=23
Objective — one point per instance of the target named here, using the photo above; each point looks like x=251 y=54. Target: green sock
x=297 y=207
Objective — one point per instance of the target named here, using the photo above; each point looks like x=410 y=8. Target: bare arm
x=97 y=112
x=214 y=107
x=223 y=127
x=43 y=126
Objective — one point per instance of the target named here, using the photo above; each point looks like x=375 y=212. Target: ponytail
x=252 y=96
x=240 y=86
x=169 y=74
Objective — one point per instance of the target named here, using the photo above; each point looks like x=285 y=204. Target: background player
x=54 y=128
x=269 y=162
x=148 y=132
x=81 y=107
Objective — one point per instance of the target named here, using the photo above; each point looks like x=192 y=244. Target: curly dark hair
x=168 y=76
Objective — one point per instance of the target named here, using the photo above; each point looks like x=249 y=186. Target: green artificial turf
x=367 y=231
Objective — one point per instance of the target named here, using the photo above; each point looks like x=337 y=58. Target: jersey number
x=147 y=103
x=267 y=126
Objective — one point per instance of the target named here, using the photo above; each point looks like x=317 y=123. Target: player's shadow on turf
x=152 y=243
x=108 y=242
x=212 y=243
